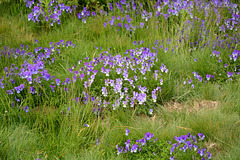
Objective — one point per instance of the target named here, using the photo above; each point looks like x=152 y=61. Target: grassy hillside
x=123 y=80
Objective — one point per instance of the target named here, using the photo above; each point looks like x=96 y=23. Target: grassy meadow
x=125 y=80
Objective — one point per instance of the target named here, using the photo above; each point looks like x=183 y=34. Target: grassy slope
x=49 y=135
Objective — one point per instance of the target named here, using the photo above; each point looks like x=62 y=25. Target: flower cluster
x=234 y=56
x=126 y=7
x=228 y=72
x=84 y=14
x=175 y=8
x=33 y=71
x=137 y=146
x=189 y=142
x=129 y=71
x=184 y=144
x=49 y=12
x=123 y=23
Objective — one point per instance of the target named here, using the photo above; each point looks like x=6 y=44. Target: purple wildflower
x=127 y=132
x=134 y=148
x=148 y=136
x=201 y=136
x=201 y=152
x=26 y=108
x=151 y=111
x=104 y=91
x=58 y=81
x=97 y=141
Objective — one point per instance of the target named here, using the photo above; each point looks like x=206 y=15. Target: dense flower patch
x=123 y=77
x=30 y=73
x=186 y=145
x=189 y=144
x=49 y=12
x=122 y=85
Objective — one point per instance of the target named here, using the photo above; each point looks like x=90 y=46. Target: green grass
x=47 y=133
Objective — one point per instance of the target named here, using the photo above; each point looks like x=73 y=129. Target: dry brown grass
x=193 y=106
